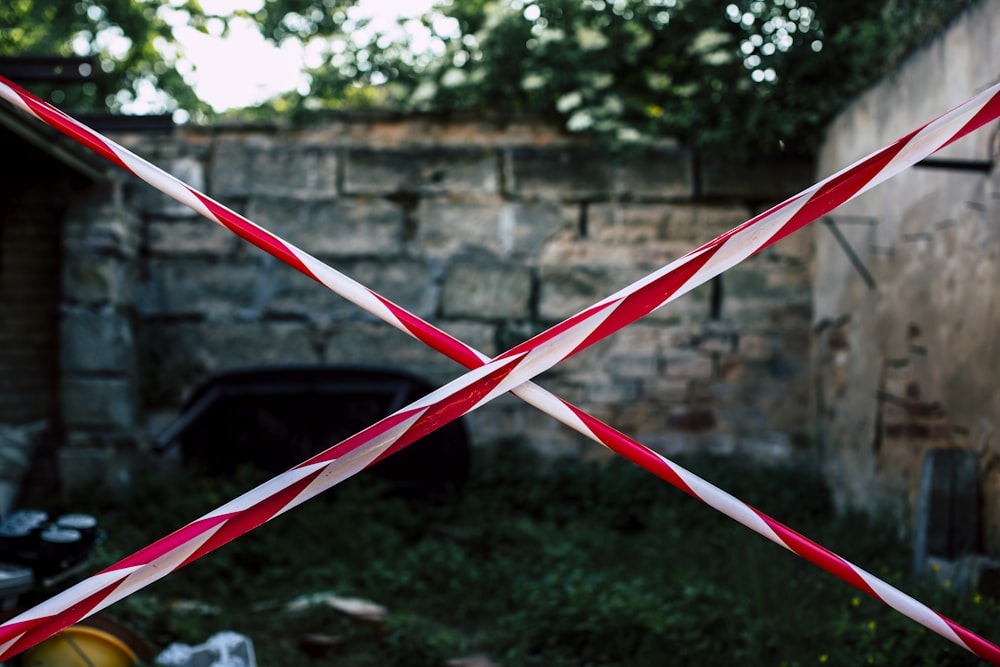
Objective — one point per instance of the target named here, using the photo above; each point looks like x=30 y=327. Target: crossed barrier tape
x=510 y=371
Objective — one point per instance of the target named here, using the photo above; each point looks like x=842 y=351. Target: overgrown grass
x=557 y=564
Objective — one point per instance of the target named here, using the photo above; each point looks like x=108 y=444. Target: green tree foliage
x=747 y=76
x=131 y=41
x=740 y=77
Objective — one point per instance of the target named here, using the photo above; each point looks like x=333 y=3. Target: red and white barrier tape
x=506 y=373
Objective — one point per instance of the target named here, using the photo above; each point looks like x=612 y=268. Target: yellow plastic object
x=80 y=646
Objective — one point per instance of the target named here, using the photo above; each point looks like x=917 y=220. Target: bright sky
x=243 y=68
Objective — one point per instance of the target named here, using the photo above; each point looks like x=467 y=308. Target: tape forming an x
x=487 y=379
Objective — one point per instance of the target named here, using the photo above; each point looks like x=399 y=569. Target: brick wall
x=492 y=232
x=97 y=361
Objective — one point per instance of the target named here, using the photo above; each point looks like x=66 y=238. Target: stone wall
x=493 y=232
x=910 y=363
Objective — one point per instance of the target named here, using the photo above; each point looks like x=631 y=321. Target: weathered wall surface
x=492 y=232
x=912 y=363
x=29 y=301
x=36 y=191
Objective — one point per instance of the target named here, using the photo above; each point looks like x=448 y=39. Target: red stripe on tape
x=248 y=231
x=646 y=299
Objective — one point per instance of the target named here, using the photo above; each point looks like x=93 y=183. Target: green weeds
x=551 y=564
